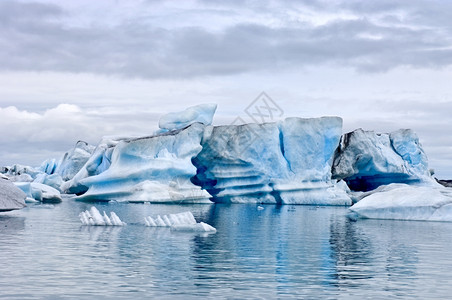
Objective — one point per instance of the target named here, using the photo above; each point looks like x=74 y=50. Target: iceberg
x=53 y=180
x=406 y=202
x=294 y=161
x=19 y=172
x=202 y=113
x=366 y=160
x=11 y=197
x=95 y=218
x=184 y=221
x=39 y=192
x=147 y=169
x=73 y=160
x=282 y=163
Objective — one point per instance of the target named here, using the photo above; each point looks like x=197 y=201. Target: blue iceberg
x=148 y=169
x=282 y=163
x=367 y=160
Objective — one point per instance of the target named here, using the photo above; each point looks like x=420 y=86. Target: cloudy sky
x=78 y=70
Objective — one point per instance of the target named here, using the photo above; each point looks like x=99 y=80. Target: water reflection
x=277 y=252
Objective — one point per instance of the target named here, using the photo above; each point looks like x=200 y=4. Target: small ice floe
x=184 y=221
x=260 y=207
x=93 y=217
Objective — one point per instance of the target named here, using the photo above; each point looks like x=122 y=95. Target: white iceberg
x=202 y=113
x=95 y=218
x=406 y=202
x=286 y=163
x=11 y=197
x=184 y=221
x=39 y=192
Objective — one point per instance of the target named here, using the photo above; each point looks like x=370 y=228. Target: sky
x=80 y=70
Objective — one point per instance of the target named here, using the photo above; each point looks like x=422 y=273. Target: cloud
x=41 y=37
x=33 y=137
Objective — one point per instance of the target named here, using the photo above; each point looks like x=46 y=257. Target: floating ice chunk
x=405 y=202
x=93 y=217
x=40 y=192
x=198 y=227
x=202 y=113
x=184 y=221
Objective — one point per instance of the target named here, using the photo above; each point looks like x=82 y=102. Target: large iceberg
x=294 y=161
x=11 y=198
x=287 y=162
x=148 y=169
x=366 y=160
x=406 y=202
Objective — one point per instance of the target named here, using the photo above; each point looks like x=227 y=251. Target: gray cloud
x=37 y=37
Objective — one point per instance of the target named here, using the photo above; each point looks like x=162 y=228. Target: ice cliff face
x=148 y=169
x=287 y=162
x=366 y=160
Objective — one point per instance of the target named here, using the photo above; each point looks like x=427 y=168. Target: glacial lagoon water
x=279 y=252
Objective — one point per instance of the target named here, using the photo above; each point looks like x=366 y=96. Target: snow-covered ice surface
x=11 y=197
x=147 y=169
x=95 y=218
x=366 y=160
x=202 y=113
x=184 y=221
x=39 y=192
x=287 y=162
x=406 y=202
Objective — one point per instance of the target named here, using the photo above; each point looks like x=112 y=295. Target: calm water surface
x=278 y=252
